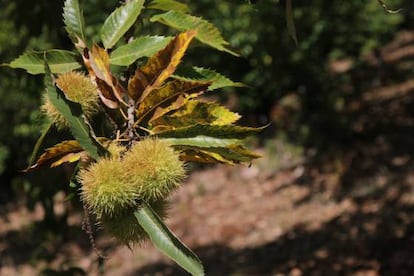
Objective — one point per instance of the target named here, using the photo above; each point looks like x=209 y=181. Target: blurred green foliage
x=274 y=69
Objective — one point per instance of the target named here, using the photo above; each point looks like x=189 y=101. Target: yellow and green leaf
x=231 y=154
x=57 y=152
x=203 y=74
x=198 y=112
x=167 y=94
x=226 y=131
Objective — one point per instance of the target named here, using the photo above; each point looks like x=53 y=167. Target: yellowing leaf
x=69 y=158
x=52 y=154
x=232 y=154
x=199 y=112
x=163 y=64
x=167 y=94
x=226 y=131
x=99 y=63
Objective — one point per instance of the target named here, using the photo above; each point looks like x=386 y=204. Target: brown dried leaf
x=137 y=84
x=163 y=64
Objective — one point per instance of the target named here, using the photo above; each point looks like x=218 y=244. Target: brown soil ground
x=348 y=213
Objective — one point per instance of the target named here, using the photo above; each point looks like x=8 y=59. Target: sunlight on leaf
x=119 y=22
x=74 y=21
x=60 y=61
x=198 y=112
x=166 y=241
x=169 y=5
x=144 y=46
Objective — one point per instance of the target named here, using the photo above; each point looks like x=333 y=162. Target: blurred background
x=333 y=193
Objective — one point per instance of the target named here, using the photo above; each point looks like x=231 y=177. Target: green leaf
x=119 y=22
x=290 y=21
x=144 y=46
x=207 y=33
x=73 y=114
x=202 y=141
x=168 y=5
x=74 y=21
x=203 y=74
x=60 y=61
x=228 y=132
x=166 y=241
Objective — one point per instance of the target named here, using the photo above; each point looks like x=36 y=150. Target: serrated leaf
x=73 y=114
x=119 y=22
x=60 y=61
x=198 y=112
x=166 y=241
x=203 y=74
x=144 y=46
x=202 y=141
x=207 y=33
x=231 y=154
x=56 y=152
x=290 y=22
x=164 y=63
x=167 y=94
x=228 y=132
x=74 y=21
x=168 y=5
